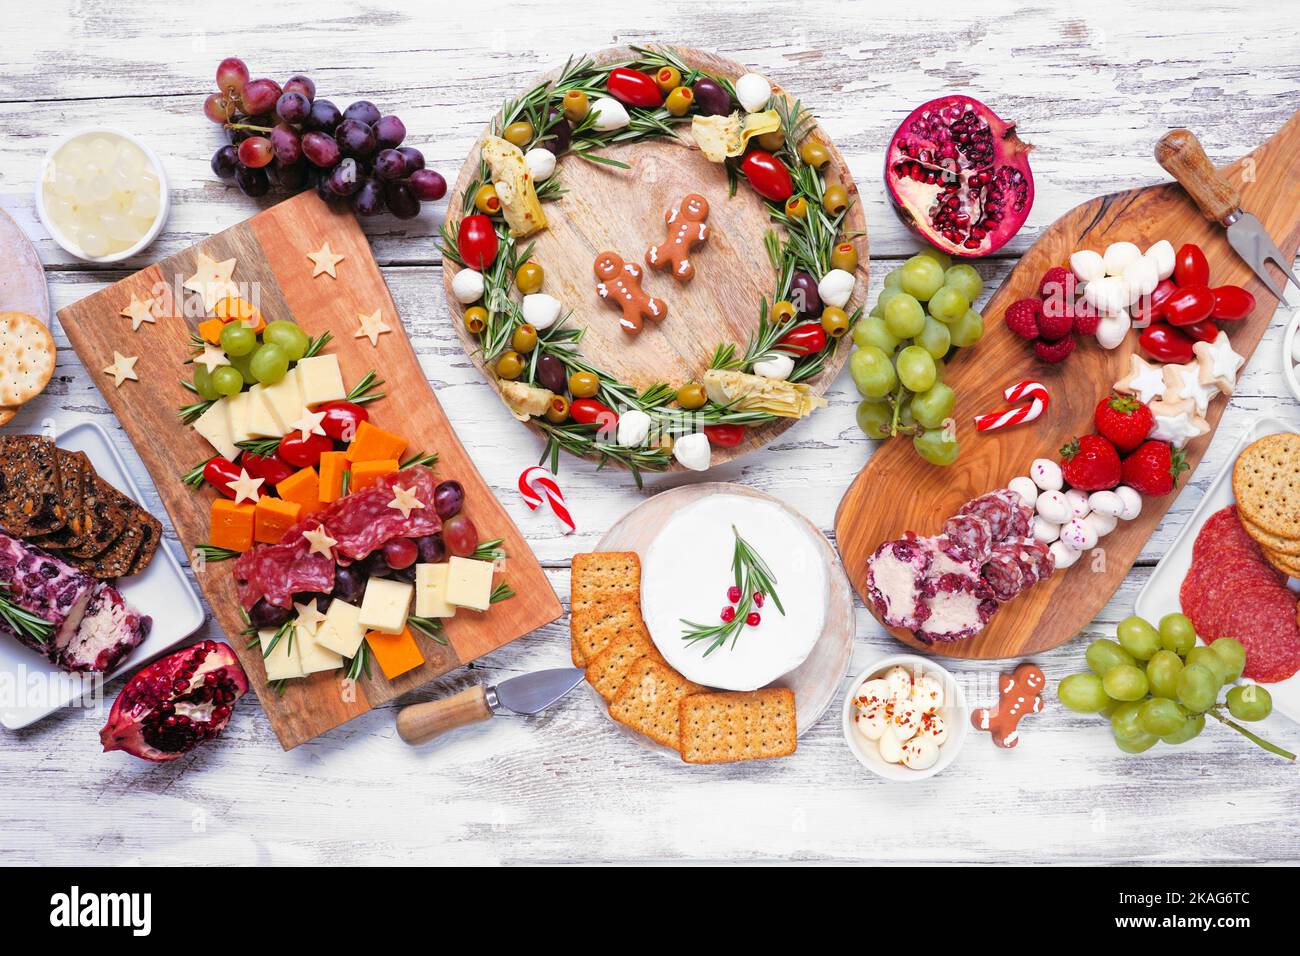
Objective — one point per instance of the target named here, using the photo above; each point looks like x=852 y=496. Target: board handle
x=420 y=723
x=1182 y=156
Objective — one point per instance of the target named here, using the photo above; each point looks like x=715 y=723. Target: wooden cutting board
x=898 y=491
x=271 y=251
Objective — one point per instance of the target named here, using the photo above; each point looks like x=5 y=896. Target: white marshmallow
x=1079 y=535
x=1132 y=502
x=467 y=286
x=836 y=288
x=1078 y=500
x=1024 y=486
x=1087 y=265
x=1052 y=506
x=920 y=754
x=1141 y=277
x=1118 y=255
x=1106 y=503
x=541 y=163
x=1101 y=524
x=777 y=366
x=1046 y=474
x=1112 y=330
x=633 y=428
x=612 y=114
x=540 y=310
x=753 y=91
x=1108 y=295
x=693 y=451
x=1043 y=530
x=1062 y=554
x=1162 y=254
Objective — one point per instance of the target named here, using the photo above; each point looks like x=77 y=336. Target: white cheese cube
x=214 y=425
x=312 y=654
x=240 y=406
x=385 y=606
x=284 y=399
x=320 y=379
x=431 y=591
x=469 y=583
x=261 y=422
x=341 y=630
x=282 y=663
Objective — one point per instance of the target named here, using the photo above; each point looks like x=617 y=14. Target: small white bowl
x=954 y=713
x=70 y=247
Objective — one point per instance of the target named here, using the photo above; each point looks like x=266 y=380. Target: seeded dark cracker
x=29 y=485
x=74 y=469
x=150 y=534
x=106 y=514
x=729 y=726
x=117 y=559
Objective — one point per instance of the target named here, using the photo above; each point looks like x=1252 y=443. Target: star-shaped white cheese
x=139 y=312
x=1177 y=422
x=405 y=501
x=123 y=368
x=211 y=280
x=1184 y=381
x=245 y=487
x=309 y=616
x=308 y=424
x=323 y=261
x=372 y=326
x=1145 y=381
x=320 y=541
x=1219 y=363
x=212 y=357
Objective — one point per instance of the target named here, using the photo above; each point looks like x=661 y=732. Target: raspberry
x=1057 y=281
x=1054 y=352
x=1086 y=319
x=1053 y=327
x=1022 y=317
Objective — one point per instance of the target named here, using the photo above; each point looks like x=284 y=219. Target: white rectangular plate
x=30 y=686
x=1160 y=596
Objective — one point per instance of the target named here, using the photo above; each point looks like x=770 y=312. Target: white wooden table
x=1093 y=88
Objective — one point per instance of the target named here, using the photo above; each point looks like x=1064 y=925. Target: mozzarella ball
x=1108 y=295
x=891 y=748
x=899 y=681
x=1046 y=474
x=541 y=163
x=753 y=91
x=1052 y=506
x=927 y=693
x=693 y=451
x=1106 y=503
x=935 y=730
x=1040 y=529
x=633 y=428
x=1024 y=486
x=1062 y=554
x=1112 y=329
x=1087 y=265
x=871 y=725
x=1132 y=502
x=1101 y=524
x=776 y=366
x=905 y=719
x=920 y=754
x=1118 y=255
x=1078 y=501
x=1162 y=254
x=873 y=694
x=836 y=288
x=541 y=311
x=611 y=116
x=1079 y=535
x=1141 y=277
x=467 y=286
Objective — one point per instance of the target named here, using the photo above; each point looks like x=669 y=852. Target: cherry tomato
x=219 y=473
x=1148 y=307
x=1190 y=266
x=301 y=453
x=634 y=88
x=1190 y=304
x=725 y=436
x=476 y=240
x=267 y=467
x=767 y=175
x=587 y=411
x=1203 y=331
x=806 y=339
x=1164 y=343
x=1232 y=303
x=342 y=419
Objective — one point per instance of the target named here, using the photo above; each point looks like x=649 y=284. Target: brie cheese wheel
x=686 y=572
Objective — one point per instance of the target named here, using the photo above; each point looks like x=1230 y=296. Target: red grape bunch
x=284 y=134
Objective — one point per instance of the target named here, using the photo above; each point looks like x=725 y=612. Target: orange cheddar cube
x=232 y=525
x=332 y=466
x=364 y=473
x=273 y=517
x=396 y=653
x=302 y=488
x=210 y=330
x=372 y=443
x=232 y=307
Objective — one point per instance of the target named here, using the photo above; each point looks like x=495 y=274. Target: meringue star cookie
x=1177 y=422
x=1144 y=380
x=1219 y=363
x=1184 y=381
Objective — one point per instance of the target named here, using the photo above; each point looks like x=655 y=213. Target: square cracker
x=604 y=574
x=594 y=624
x=648 y=700
x=733 y=725
x=608 y=669
x=29 y=485
x=74 y=467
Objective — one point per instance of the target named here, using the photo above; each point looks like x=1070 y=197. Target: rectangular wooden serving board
x=271 y=251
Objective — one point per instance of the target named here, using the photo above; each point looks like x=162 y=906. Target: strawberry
x=1124 y=420
x=1154 y=468
x=1058 y=283
x=1053 y=352
x=1022 y=317
x=1090 y=463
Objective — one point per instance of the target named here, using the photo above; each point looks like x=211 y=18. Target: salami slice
x=895 y=573
x=1264 y=620
x=279 y=571
x=968 y=537
x=363 y=521
x=1220 y=529
x=1021 y=514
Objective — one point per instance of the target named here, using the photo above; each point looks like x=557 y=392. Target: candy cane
x=538 y=486
x=1035 y=392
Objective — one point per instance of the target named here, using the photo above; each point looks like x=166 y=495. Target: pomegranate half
x=176 y=703
x=959 y=176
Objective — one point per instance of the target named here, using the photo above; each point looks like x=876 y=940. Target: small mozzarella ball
x=1079 y=535
x=1132 y=502
x=1162 y=254
x=1062 y=554
x=899 y=682
x=935 y=730
x=540 y=310
x=1024 y=486
x=633 y=428
x=905 y=719
x=1043 y=530
x=1052 y=506
x=1101 y=524
x=1141 y=277
x=1046 y=474
x=1106 y=503
x=1107 y=295
x=836 y=288
x=1087 y=266
x=891 y=748
x=927 y=693
x=693 y=451
x=1112 y=330
x=612 y=114
x=467 y=286
x=777 y=366
x=1078 y=500
x=1118 y=255
x=753 y=91
x=920 y=754
x=871 y=725
x=873 y=694
x=541 y=163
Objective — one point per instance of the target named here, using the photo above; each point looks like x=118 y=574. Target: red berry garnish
x=728 y=614
x=753 y=618
x=733 y=594
x=759 y=599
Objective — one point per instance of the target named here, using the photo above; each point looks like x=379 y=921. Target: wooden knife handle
x=419 y=723
x=1181 y=154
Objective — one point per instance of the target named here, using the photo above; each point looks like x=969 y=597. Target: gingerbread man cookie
x=620 y=286
x=686 y=230
x=1020 y=694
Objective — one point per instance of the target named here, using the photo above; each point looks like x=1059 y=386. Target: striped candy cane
x=538 y=487
x=1038 y=400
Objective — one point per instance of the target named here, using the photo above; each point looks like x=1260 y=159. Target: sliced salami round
x=1022 y=515
x=1220 y=529
x=1264 y=620
x=968 y=537
x=895 y=573
x=994 y=508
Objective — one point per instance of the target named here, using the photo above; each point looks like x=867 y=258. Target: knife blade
x=1183 y=157
x=526 y=694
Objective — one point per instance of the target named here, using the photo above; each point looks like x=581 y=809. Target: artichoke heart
x=719 y=137
x=514 y=185
x=524 y=400
x=745 y=393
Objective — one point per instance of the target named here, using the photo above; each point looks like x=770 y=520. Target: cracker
x=27 y=357
x=105 y=516
x=74 y=466
x=29 y=485
x=1272 y=542
x=1286 y=563
x=150 y=536
x=1266 y=483
x=734 y=725
x=648 y=698
x=7 y=414
x=604 y=574
x=593 y=625
x=608 y=669
x=118 y=558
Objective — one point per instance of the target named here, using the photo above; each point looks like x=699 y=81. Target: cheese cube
x=240 y=407
x=214 y=425
x=284 y=399
x=320 y=379
x=282 y=663
x=341 y=631
x=312 y=654
x=261 y=420
x=469 y=583
x=385 y=606
x=431 y=591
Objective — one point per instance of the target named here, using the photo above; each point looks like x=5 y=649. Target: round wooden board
x=816 y=682
x=606 y=208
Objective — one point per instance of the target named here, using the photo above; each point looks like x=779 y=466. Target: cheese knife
x=1182 y=156
x=526 y=694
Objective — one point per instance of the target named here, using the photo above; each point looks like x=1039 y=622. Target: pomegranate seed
x=733 y=594
x=753 y=619
x=758 y=599
x=728 y=614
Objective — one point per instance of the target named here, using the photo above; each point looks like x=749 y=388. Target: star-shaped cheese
x=372 y=326
x=139 y=312
x=323 y=261
x=1219 y=363
x=212 y=357
x=309 y=616
x=1184 y=381
x=1177 y=422
x=405 y=501
x=245 y=487
x=211 y=280
x=308 y=424
x=123 y=368
x=320 y=541
x=1145 y=381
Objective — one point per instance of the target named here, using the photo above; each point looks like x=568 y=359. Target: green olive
x=486 y=200
x=524 y=339
x=679 y=101
x=519 y=132
x=668 y=78
x=575 y=105
x=528 y=278
x=510 y=365
x=835 y=321
x=557 y=409
x=814 y=154
x=783 y=311
x=772 y=141
x=835 y=199
x=796 y=207
x=476 y=319
x=584 y=384
x=844 y=256
x=692 y=396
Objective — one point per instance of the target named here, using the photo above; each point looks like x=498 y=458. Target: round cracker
x=1286 y=563
x=1266 y=483
x=7 y=414
x=1273 y=542
x=27 y=357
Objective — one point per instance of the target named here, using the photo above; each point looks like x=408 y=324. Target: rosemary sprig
x=428 y=459
x=363 y=393
x=212 y=553
x=189 y=414
x=194 y=477
x=430 y=627
x=265 y=447
x=319 y=342
x=752 y=576
x=489 y=550
x=21 y=621
x=502 y=592
x=359 y=664
x=282 y=633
